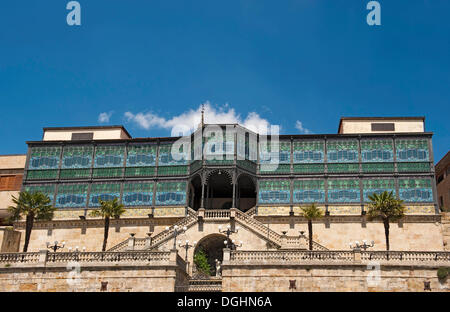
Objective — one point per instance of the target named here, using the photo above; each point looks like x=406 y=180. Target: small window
x=383 y=127
x=440 y=178
x=82 y=136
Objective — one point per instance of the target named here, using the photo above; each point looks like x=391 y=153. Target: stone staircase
x=244 y=219
x=446 y=230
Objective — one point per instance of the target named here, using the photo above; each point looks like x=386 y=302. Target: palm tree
x=108 y=209
x=386 y=207
x=311 y=212
x=34 y=206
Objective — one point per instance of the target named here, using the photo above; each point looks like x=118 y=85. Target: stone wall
x=9 y=240
x=346 y=278
x=64 y=276
x=422 y=233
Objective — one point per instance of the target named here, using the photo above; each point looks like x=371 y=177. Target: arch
x=195 y=192
x=219 y=188
x=212 y=245
x=246 y=192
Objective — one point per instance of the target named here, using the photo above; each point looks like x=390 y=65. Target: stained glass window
x=139 y=171
x=377 y=150
x=415 y=190
x=48 y=190
x=309 y=191
x=343 y=191
x=308 y=151
x=170 y=193
x=412 y=150
x=413 y=167
x=268 y=152
x=377 y=186
x=340 y=168
x=309 y=168
x=142 y=155
x=109 y=156
x=377 y=167
x=172 y=170
x=107 y=172
x=105 y=192
x=274 y=191
x=75 y=173
x=71 y=195
x=42 y=174
x=342 y=151
x=44 y=157
x=137 y=194
x=167 y=157
x=77 y=156
x=274 y=168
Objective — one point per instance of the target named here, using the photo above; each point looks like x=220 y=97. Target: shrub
x=442 y=273
x=201 y=262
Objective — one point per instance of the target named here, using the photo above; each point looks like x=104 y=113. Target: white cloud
x=187 y=122
x=104 y=117
x=299 y=127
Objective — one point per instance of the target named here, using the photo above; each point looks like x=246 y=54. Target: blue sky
x=150 y=64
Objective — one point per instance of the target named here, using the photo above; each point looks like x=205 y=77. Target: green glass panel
x=107 y=172
x=339 y=168
x=172 y=170
x=377 y=167
x=281 y=168
x=309 y=168
x=139 y=171
x=74 y=173
x=42 y=174
x=413 y=167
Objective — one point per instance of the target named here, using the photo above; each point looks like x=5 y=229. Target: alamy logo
x=374 y=16
x=74 y=16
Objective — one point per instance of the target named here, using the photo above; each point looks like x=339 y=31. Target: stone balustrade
x=330 y=256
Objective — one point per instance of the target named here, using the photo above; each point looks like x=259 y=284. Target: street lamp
x=228 y=231
x=186 y=246
x=176 y=231
x=364 y=245
x=55 y=246
x=234 y=245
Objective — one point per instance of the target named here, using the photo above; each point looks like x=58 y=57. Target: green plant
x=108 y=209
x=32 y=206
x=311 y=212
x=201 y=262
x=442 y=273
x=7 y=265
x=386 y=207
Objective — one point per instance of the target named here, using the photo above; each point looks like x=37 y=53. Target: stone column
x=233 y=205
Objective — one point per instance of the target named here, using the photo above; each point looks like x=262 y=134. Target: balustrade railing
x=290 y=256
x=217 y=214
x=19 y=257
x=123 y=256
x=412 y=256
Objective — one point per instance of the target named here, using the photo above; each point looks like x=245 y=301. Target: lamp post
x=234 y=245
x=186 y=246
x=176 y=231
x=228 y=231
x=364 y=245
x=55 y=246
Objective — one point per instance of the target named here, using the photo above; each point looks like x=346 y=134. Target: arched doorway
x=195 y=192
x=213 y=246
x=219 y=190
x=246 y=190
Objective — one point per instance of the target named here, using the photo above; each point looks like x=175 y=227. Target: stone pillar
x=43 y=254
x=201 y=213
x=148 y=240
x=226 y=255
x=131 y=242
x=357 y=255
x=173 y=255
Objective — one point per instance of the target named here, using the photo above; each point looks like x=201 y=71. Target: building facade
x=443 y=182
x=228 y=175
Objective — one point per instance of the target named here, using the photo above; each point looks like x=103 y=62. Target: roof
x=443 y=163
x=89 y=127
x=379 y=118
